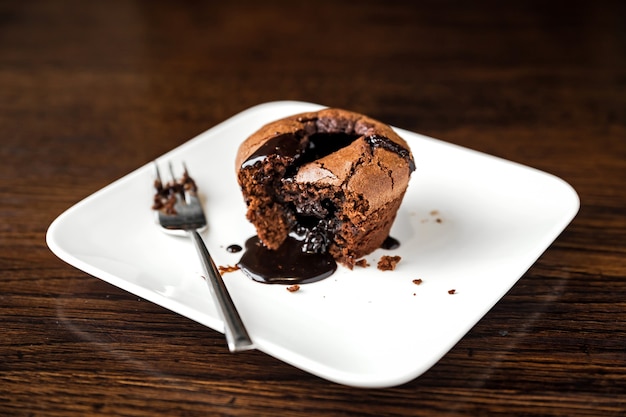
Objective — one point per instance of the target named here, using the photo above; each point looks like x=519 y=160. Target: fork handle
x=236 y=334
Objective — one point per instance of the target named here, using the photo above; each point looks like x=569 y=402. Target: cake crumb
x=435 y=213
x=293 y=288
x=417 y=281
x=388 y=263
x=362 y=263
x=451 y=291
x=227 y=268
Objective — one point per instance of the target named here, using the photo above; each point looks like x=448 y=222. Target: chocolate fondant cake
x=332 y=180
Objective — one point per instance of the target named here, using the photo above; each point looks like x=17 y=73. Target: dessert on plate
x=328 y=182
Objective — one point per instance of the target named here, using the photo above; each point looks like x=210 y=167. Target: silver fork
x=183 y=214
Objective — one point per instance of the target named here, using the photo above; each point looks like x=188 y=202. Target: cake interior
x=314 y=209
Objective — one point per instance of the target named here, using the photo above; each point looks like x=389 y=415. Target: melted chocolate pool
x=288 y=264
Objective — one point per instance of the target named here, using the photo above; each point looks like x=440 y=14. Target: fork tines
x=167 y=193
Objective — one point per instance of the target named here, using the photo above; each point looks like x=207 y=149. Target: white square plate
x=469 y=222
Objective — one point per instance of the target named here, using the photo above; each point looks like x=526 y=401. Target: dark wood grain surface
x=89 y=91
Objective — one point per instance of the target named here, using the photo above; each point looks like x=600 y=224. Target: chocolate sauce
x=286 y=265
x=233 y=248
x=290 y=145
x=324 y=144
x=390 y=243
x=318 y=145
x=378 y=141
x=284 y=145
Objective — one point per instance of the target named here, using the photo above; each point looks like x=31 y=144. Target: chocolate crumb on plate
x=362 y=263
x=227 y=268
x=417 y=281
x=293 y=288
x=451 y=291
x=388 y=263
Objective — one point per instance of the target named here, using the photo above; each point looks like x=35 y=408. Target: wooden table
x=89 y=91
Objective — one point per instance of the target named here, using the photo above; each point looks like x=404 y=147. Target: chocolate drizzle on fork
x=166 y=194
